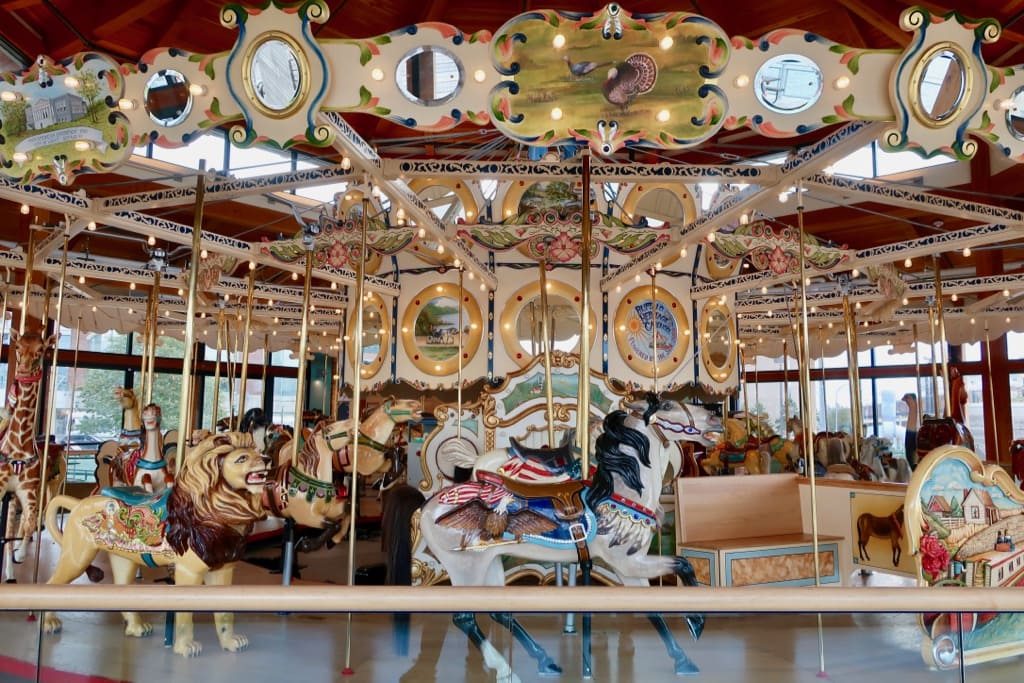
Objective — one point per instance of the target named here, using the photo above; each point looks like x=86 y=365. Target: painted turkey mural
x=626 y=80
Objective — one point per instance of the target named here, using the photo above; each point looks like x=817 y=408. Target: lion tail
x=52 y=510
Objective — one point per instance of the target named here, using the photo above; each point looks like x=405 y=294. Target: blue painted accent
x=138 y=496
x=147 y=558
x=151 y=465
x=708 y=555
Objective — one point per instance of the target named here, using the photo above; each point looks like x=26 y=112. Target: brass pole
x=246 y=333
x=29 y=268
x=935 y=367
x=73 y=384
x=545 y=334
x=144 y=341
x=336 y=379
x=805 y=379
x=300 y=379
x=583 y=405
x=185 y=417
x=785 y=384
x=462 y=295
x=917 y=373
x=266 y=364
x=854 y=373
x=215 y=392
x=654 y=327
x=229 y=367
x=824 y=386
x=356 y=398
x=992 y=394
x=149 y=364
x=42 y=410
x=942 y=336
x=3 y=306
x=746 y=389
x=51 y=389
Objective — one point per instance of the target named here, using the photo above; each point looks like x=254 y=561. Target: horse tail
x=457 y=453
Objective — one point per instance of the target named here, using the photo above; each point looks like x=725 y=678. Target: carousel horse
x=674 y=423
x=109 y=455
x=146 y=467
x=21 y=466
x=735 y=448
x=305 y=491
x=471 y=527
x=795 y=425
x=256 y=422
x=782 y=452
x=935 y=432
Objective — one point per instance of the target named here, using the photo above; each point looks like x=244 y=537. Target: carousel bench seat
x=749 y=531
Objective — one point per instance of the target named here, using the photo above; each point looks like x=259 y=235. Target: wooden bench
x=749 y=530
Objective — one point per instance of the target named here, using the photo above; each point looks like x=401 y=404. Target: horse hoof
x=686 y=668
x=549 y=668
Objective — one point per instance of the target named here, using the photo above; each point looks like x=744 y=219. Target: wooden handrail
x=520 y=599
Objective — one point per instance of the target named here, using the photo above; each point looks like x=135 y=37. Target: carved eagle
x=492 y=523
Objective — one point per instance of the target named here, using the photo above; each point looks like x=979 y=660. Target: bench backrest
x=711 y=508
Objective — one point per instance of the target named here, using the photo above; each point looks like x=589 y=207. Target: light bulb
x=908 y=263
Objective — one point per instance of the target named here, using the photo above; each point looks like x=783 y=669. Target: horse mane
x=612 y=459
x=309 y=459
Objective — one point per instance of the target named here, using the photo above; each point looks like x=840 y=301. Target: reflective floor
x=316 y=647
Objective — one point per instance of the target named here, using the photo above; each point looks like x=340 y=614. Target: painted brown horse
x=890 y=527
x=935 y=432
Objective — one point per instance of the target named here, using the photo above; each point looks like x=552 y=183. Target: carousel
x=578 y=295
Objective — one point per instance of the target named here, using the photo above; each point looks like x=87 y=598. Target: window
x=283 y=403
x=95 y=412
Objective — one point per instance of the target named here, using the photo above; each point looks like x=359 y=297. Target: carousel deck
x=312 y=647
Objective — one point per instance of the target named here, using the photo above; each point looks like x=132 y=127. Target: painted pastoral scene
x=437 y=328
x=966 y=521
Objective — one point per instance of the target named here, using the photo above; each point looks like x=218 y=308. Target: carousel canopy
x=712 y=133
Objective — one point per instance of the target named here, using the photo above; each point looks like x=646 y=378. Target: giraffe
x=20 y=465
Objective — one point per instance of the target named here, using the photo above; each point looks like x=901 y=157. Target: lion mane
x=202 y=508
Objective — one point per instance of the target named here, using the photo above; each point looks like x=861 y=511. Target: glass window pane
x=96 y=415
x=284 y=359
x=105 y=342
x=207 y=419
x=1017 y=403
x=889 y=355
x=283 y=404
x=1015 y=344
x=892 y=411
x=167 y=395
x=970 y=352
x=246 y=162
x=209 y=147
x=976 y=412
x=166 y=346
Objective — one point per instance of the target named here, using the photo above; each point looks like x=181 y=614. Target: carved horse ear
x=51 y=342
x=14 y=335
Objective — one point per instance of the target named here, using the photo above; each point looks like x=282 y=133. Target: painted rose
x=934 y=556
x=337 y=255
x=563 y=249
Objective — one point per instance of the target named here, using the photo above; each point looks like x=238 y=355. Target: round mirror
x=563 y=325
x=717 y=342
x=168 y=100
x=429 y=76
x=522 y=320
x=652 y=339
x=1015 y=115
x=788 y=84
x=376 y=335
x=939 y=84
x=275 y=74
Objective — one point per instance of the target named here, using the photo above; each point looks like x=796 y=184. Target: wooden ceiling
x=125 y=29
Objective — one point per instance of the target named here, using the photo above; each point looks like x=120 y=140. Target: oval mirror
x=941 y=84
x=717 y=342
x=429 y=76
x=1015 y=115
x=168 y=100
x=522 y=321
x=274 y=74
x=376 y=335
x=788 y=84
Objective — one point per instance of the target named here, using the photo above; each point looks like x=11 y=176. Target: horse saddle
x=556 y=461
x=136 y=496
x=566 y=496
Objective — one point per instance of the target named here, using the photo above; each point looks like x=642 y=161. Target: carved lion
x=207 y=515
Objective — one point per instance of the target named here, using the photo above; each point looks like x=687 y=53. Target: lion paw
x=188 y=648
x=139 y=629
x=51 y=624
x=234 y=643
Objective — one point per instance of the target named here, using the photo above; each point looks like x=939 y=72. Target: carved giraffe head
x=29 y=351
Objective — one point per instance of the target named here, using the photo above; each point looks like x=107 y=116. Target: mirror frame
x=187 y=110
x=304 y=74
x=370 y=369
x=714 y=371
x=517 y=302
x=918 y=74
x=401 y=69
x=471 y=342
x=642 y=296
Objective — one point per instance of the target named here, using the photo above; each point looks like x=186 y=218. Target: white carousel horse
x=673 y=422
x=305 y=491
x=145 y=466
x=471 y=527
